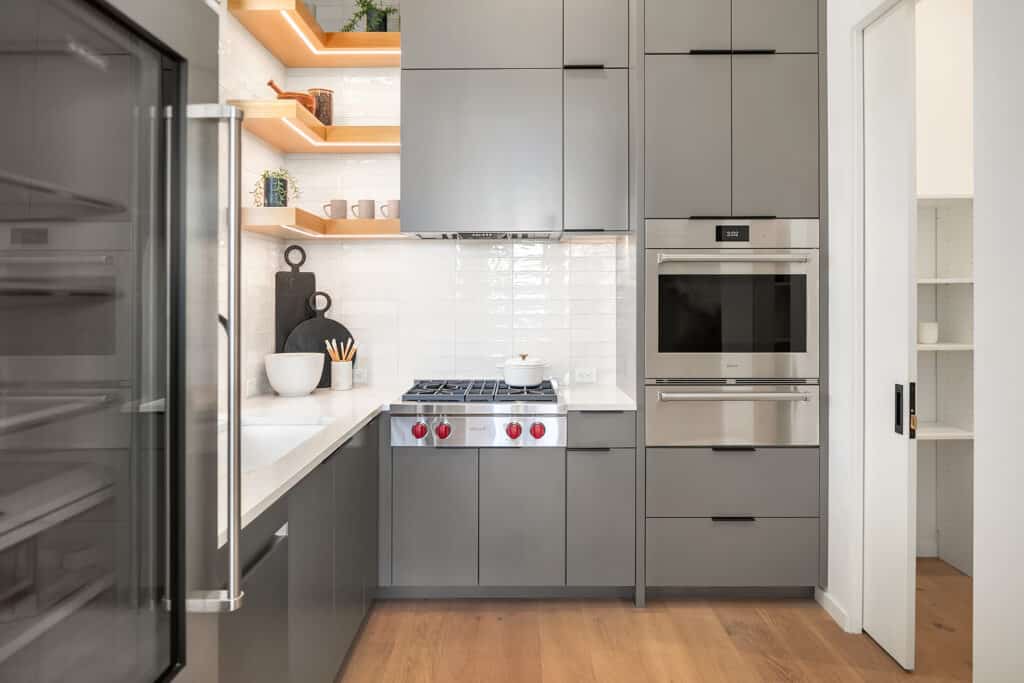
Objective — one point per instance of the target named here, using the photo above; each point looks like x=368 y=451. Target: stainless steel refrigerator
x=109 y=185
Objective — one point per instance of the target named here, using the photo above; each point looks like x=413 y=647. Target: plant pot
x=275 y=192
x=376 y=21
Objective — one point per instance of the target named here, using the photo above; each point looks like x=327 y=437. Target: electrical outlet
x=585 y=375
x=359 y=376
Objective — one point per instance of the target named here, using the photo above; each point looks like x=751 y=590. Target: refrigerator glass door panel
x=732 y=313
x=88 y=552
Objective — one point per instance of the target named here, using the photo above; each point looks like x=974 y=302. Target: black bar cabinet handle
x=710 y=52
x=582 y=66
x=899 y=408
x=763 y=51
x=732 y=218
x=733 y=449
x=731 y=518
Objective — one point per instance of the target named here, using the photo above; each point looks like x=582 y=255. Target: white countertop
x=310 y=428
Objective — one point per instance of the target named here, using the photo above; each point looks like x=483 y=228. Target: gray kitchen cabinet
x=597 y=33
x=775 y=136
x=600 y=517
x=366 y=443
x=469 y=34
x=596 y=149
x=522 y=517
x=673 y=26
x=312 y=639
x=601 y=429
x=482 y=149
x=705 y=482
x=688 y=137
x=348 y=553
x=254 y=641
x=780 y=25
x=708 y=553
x=435 y=519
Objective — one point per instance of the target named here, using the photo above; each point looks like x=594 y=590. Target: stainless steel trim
x=737 y=397
x=56 y=260
x=770 y=233
x=231 y=599
x=733 y=258
x=169 y=139
x=479 y=431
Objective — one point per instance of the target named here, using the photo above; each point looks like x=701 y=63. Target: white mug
x=336 y=209
x=363 y=208
x=390 y=209
x=927 y=333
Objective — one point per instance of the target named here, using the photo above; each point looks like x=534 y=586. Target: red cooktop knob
x=419 y=430
x=443 y=430
x=514 y=430
x=538 y=430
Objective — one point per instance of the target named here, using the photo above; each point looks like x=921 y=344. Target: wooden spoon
x=305 y=99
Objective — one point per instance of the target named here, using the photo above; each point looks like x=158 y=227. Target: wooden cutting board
x=292 y=292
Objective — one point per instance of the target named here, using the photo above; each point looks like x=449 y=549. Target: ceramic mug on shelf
x=364 y=208
x=390 y=209
x=336 y=209
x=927 y=333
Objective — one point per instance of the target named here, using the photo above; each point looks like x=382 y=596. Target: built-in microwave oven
x=732 y=299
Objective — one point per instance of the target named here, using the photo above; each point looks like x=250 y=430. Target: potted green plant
x=275 y=188
x=376 y=14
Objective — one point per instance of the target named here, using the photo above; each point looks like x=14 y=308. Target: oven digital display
x=732 y=233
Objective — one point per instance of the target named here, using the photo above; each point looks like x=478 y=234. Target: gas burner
x=542 y=393
x=478 y=391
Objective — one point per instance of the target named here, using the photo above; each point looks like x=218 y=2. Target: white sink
x=263 y=445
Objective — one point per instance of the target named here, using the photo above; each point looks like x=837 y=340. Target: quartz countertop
x=284 y=439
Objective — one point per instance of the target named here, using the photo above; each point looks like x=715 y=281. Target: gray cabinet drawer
x=780 y=25
x=600 y=517
x=601 y=429
x=708 y=553
x=701 y=482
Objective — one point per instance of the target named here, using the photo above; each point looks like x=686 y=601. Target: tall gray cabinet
x=515 y=116
x=731 y=109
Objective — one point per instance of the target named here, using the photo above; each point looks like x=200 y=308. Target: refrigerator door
x=97 y=227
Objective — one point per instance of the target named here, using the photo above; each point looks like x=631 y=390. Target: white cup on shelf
x=341 y=375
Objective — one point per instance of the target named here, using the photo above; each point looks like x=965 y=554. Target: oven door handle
x=776 y=396
x=733 y=258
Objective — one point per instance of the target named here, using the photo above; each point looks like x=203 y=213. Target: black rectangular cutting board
x=292 y=290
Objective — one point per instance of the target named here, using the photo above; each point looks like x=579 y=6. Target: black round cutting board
x=309 y=336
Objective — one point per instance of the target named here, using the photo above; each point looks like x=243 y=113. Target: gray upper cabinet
x=597 y=33
x=600 y=517
x=470 y=34
x=688 y=136
x=685 y=25
x=775 y=136
x=482 y=149
x=596 y=149
x=522 y=517
x=435 y=516
x=780 y=25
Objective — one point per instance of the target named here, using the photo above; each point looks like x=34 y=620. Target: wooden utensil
x=305 y=99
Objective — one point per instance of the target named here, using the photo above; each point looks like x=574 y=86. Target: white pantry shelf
x=946 y=281
x=945 y=347
x=936 y=431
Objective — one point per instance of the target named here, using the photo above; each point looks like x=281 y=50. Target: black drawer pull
x=754 y=52
x=577 y=67
x=733 y=449
x=591 y=450
x=733 y=218
x=731 y=518
x=710 y=52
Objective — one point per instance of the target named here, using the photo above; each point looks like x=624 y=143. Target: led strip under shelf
x=323 y=143
x=335 y=51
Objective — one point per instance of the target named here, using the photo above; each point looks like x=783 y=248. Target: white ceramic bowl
x=294 y=374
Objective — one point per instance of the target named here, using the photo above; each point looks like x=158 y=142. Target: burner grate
x=543 y=393
x=478 y=391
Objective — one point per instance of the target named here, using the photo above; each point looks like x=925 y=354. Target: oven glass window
x=732 y=313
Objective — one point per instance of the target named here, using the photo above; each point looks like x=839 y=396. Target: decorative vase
x=376 y=21
x=275 y=192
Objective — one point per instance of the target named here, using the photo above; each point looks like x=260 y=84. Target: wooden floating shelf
x=290 y=128
x=292 y=223
x=289 y=31
x=945 y=347
x=935 y=431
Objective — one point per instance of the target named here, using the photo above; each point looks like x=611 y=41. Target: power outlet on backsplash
x=585 y=375
x=359 y=375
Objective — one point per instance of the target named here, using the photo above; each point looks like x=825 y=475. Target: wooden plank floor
x=677 y=640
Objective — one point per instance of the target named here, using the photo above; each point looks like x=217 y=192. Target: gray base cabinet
x=711 y=553
x=600 y=517
x=434 y=526
x=313 y=643
x=522 y=517
x=254 y=641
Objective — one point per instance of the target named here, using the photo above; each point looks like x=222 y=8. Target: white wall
x=999 y=329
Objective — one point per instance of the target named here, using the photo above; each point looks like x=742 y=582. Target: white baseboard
x=836 y=611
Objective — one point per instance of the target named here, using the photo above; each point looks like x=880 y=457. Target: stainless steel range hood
x=551 y=236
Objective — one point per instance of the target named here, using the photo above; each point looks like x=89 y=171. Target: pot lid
x=523 y=361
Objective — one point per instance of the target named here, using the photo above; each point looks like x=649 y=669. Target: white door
x=890 y=312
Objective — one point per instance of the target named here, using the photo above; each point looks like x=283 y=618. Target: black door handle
x=899 y=408
x=913 y=410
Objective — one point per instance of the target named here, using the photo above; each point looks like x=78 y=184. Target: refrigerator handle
x=231 y=599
